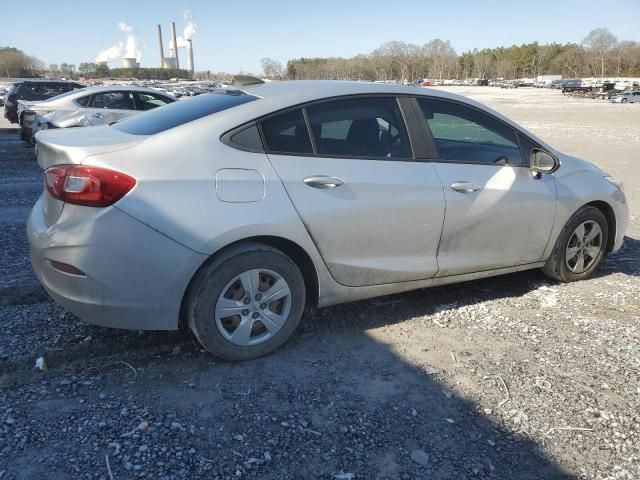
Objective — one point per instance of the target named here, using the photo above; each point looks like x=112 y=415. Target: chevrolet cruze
x=232 y=211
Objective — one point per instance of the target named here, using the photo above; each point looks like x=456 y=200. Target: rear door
x=374 y=213
x=111 y=106
x=497 y=214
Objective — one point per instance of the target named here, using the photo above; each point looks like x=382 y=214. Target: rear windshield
x=181 y=112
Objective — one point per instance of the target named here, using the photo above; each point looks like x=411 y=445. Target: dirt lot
x=507 y=378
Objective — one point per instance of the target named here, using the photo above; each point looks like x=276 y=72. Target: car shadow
x=337 y=401
x=334 y=402
x=625 y=261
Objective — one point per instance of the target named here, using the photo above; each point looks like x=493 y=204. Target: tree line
x=600 y=54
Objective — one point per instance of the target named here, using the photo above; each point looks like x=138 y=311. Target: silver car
x=233 y=211
x=627 y=97
x=88 y=107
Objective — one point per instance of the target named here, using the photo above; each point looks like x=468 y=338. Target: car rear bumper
x=135 y=277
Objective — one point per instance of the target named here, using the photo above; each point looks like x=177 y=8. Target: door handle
x=465 y=187
x=321 y=181
x=97 y=115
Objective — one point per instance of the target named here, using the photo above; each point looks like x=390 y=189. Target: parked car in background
x=92 y=106
x=34 y=90
x=627 y=97
x=238 y=209
x=3 y=92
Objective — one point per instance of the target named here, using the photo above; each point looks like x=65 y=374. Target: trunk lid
x=72 y=146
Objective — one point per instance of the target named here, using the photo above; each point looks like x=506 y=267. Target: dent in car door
x=497 y=214
x=373 y=221
x=503 y=218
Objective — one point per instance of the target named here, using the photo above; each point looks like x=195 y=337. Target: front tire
x=246 y=302
x=580 y=247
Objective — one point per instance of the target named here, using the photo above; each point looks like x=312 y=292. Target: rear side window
x=464 y=134
x=247 y=139
x=287 y=133
x=360 y=127
x=83 y=101
x=179 y=113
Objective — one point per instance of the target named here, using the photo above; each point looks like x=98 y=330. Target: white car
x=92 y=106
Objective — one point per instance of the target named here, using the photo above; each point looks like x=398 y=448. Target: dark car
x=34 y=90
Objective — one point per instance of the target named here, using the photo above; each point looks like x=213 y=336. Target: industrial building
x=172 y=61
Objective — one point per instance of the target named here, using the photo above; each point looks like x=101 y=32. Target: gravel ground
x=504 y=378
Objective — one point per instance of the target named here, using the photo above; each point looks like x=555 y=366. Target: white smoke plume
x=190 y=29
x=132 y=50
x=112 y=53
x=128 y=48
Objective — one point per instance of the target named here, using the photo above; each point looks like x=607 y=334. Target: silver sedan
x=233 y=211
x=88 y=107
x=627 y=97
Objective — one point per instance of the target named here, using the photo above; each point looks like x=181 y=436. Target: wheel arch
x=294 y=251
x=609 y=214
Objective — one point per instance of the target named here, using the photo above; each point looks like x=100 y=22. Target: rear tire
x=246 y=302
x=580 y=247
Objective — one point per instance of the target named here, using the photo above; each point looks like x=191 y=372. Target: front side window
x=359 y=127
x=287 y=133
x=119 y=100
x=147 y=101
x=464 y=134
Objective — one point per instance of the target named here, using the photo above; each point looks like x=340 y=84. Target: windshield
x=181 y=112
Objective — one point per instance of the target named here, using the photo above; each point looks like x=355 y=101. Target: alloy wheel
x=584 y=247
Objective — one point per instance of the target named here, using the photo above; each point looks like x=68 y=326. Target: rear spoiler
x=245 y=80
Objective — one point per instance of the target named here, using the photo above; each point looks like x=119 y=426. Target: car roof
x=117 y=88
x=280 y=95
x=300 y=91
x=50 y=82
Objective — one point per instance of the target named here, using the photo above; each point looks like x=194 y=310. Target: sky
x=233 y=36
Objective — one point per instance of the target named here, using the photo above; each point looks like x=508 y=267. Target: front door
x=373 y=212
x=497 y=214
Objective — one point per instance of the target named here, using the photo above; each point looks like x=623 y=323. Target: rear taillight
x=86 y=185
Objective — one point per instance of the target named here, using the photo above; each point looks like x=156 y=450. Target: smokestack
x=175 y=44
x=161 y=49
x=190 y=56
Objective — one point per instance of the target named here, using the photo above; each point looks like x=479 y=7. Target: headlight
x=616 y=183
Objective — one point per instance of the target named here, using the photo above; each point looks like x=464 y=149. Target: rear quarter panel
x=176 y=191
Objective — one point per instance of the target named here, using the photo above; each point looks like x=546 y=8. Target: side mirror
x=543 y=162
